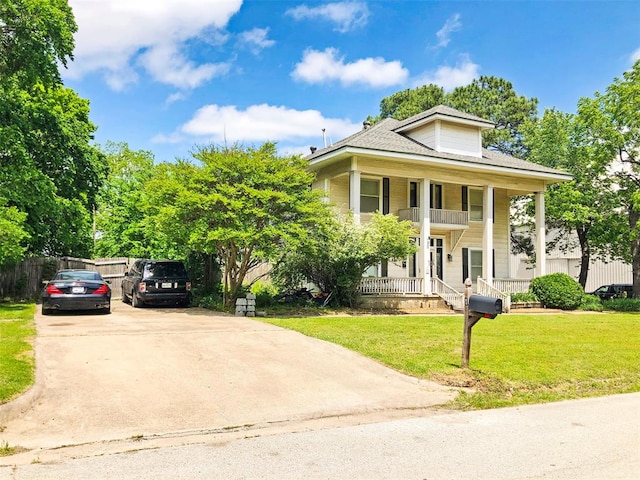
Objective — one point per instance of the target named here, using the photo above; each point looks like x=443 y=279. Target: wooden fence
x=25 y=280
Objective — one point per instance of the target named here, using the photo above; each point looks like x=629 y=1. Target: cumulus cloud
x=344 y=15
x=116 y=36
x=452 y=24
x=258 y=123
x=450 y=77
x=327 y=66
x=256 y=40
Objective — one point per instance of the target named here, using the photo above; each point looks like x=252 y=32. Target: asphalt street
x=587 y=439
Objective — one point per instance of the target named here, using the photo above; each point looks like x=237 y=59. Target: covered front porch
x=412 y=288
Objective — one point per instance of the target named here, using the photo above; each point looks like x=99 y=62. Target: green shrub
x=591 y=303
x=265 y=293
x=558 y=290
x=525 y=297
x=622 y=304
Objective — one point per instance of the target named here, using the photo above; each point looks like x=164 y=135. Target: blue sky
x=170 y=75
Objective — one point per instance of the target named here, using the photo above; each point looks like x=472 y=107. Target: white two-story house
x=431 y=169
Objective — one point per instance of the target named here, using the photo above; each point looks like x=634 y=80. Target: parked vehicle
x=76 y=290
x=157 y=282
x=615 y=290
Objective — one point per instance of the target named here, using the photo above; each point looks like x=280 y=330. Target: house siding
x=426 y=135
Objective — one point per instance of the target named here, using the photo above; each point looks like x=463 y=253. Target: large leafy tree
x=122 y=223
x=488 y=97
x=49 y=171
x=246 y=205
x=613 y=120
x=585 y=206
x=13 y=234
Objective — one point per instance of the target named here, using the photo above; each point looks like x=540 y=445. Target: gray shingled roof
x=383 y=137
x=442 y=110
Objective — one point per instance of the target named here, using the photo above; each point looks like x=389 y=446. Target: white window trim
x=470 y=189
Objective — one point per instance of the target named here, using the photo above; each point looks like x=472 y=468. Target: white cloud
x=256 y=40
x=259 y=123
x=345 y=15
x=451 y=25
x=450 y=77
x=112 y=33
x=322 y=67
x=635 y=56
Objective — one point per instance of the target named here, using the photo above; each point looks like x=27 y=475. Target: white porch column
x=487 y=235
x=354 y=194
x=425 y=233
x=541 y=234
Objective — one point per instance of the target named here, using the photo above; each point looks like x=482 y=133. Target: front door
x=437 y=256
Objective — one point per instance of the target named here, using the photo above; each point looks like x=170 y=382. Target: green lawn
x=515 y=359
x=16 y=349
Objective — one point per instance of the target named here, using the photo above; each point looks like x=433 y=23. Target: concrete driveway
x=170 y=375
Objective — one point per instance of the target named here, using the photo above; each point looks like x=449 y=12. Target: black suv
x=156 y=282
x=615 y=290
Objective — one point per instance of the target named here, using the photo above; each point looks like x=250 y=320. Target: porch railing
x=512 y=285
x=391 y=286
x=483 y=288
x=437 y=216
x=447 y=293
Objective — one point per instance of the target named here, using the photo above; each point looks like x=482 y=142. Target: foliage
x=585 y=206
x=48 y=169
x=490 y=98
x=622 y=304
x=557 y=290
x=521 y=359
x=12 y=248
x=524 y=297
x=346 y=250
x=35 y=35
x=265 y=292
x=16 y=350
x=614 y=126
x=121 y=219
x=591 y=303
x=245 y=205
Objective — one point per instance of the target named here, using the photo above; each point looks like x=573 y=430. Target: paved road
x=171 y=375
x=588 y=439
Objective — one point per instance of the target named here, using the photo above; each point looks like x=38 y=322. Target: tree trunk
x=585 y=255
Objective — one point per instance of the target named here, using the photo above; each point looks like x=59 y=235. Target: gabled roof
x=442 y=111
x=385 y=137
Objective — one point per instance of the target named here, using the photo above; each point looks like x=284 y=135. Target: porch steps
x=406 y=304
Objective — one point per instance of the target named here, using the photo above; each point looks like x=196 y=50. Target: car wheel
x=125 y=299
x=135 y=301
x=46 y=311
x=107 y=310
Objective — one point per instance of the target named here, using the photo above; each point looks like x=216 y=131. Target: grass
x=16 y=349
x=515 y=359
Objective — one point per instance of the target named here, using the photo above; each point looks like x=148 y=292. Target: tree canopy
x=49 y=171
x=247 y=205
x=487 y=97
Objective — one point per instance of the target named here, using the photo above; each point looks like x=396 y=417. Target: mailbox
x=487 y=307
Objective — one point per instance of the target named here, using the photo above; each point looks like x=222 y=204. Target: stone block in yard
x=251 y=314
x=251 y=296
x=241 y=302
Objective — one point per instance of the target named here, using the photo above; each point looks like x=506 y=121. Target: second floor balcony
x=452 y=219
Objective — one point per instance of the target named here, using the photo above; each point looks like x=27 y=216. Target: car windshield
x=78 y=275
x=164 y=270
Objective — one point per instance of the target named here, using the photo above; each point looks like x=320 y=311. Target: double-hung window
x=369 y=195
x=476 y=200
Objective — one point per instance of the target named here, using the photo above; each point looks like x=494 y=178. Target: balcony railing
x=391 y=286
x=437 y=216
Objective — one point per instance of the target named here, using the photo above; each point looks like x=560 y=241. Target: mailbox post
x=475 y=308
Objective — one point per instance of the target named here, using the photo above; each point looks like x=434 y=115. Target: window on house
x=413 y=195
x=475 y=204
x=475 y=264
x=369 y=195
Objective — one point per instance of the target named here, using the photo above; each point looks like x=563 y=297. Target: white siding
x=460 y=139
x=425 y=135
